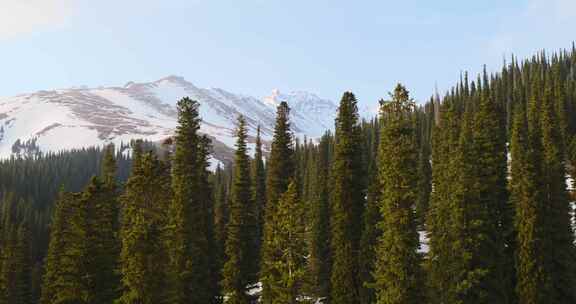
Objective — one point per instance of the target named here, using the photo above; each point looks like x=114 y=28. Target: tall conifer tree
x=220 y=186
x=258 y=174
x=347 y=204
x=398 y=274
x=489 y=213
x=239 y=242
x=286 y=275
x=559 y=240
x=143 y=255
x=190 y=243
x=15 y=267
x=526 y=196
x=101 y=240
x=371 y=218
x=447 y=258
x=66 y=279
x=280 y=170
x=319 y=261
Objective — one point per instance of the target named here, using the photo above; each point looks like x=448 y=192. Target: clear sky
x=254 y=46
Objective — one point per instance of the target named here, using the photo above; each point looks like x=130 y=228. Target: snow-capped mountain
x=80 y=117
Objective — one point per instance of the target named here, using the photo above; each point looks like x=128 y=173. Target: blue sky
x=254 y=46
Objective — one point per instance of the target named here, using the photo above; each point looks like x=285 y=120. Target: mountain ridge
x=77 y=117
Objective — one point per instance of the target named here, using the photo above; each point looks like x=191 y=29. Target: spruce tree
x=280 y=170
x=23 y=279
x=102 y=207
x=319 y=261
x=190 y=238
x=347 y=204
x=101 y=240
x=490 y=214
x=397 y=272
x=109 y=169
x=206 y=196
x=559 y=240
x=258 y=174
x=447 y=259
x=371 y=216
x=66 y=279
x=281 y=165
x=526 y=196
x=143 y=254
x=241 y=232
x=370 y=235
x=220 y=186
x=15 y=267
x=286 y=274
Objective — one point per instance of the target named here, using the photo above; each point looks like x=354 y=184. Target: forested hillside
x=463 y=199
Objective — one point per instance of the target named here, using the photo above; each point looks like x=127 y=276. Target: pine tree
x=347 y=204
x=102 y=241
x=490 y=213
x=398 y=273
x=370 y=234
x=371 y=218
x=281 y=163
x=100 y=200
x=447 y=258
x=109 y=169
x=319 y=261
x=143 y=255
x=236 y=272
x=15 y=268
x=206 y=196
x=280 y=170
x=285 y=276
x=526 y=196
x=559 y=240
x=66 y=279
x=190 y=237
x=471 y=223
x=258 y=174
x=221 y=215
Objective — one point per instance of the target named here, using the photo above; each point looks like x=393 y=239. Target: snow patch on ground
x=424 y=241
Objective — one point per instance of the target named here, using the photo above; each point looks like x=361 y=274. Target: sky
x=254 y=46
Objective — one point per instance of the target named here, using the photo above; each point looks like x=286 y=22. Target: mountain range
x=63 y=119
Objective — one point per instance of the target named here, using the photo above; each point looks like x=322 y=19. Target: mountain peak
x=173 y=79
x=273 y=99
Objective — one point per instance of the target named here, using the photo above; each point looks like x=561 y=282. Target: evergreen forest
x=466 y=198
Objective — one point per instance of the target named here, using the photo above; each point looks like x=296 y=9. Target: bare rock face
x=74 y=118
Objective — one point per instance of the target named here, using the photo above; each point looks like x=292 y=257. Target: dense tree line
x=463 y=199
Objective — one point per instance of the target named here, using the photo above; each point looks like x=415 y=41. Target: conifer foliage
x=190 y=230
x=347 y=204
x=525 y=195
x=319 y=222
x=66 y=279
x=280 y=171
x=241 y=224
x=286 y=275
x=143 y=253
x=398 y=273
x=15 y=281
x=258 y=173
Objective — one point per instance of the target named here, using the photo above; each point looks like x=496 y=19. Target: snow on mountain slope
x=309 y=112
x=80 y=117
